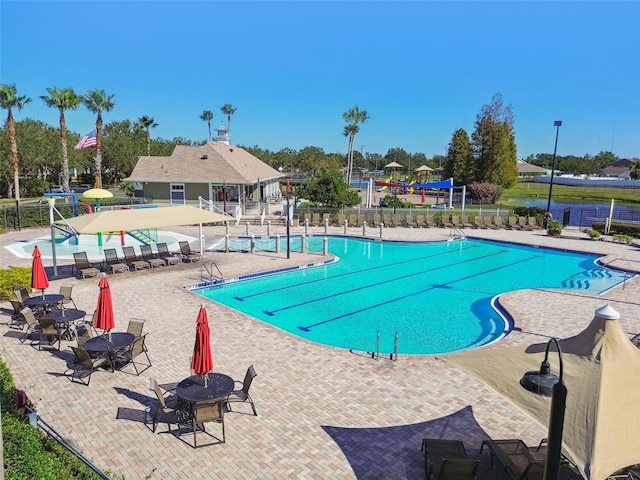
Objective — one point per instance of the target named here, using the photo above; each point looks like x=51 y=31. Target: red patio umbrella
x=103 y=318
x=201 y=360
x=39 y=280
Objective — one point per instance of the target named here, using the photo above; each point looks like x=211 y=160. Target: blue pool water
x=436 y=296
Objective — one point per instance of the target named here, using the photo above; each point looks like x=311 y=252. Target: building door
x=177 y=194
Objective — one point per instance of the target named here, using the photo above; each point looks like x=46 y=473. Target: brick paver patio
x=322 y=412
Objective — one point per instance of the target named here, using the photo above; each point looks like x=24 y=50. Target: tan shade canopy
x=424 y=168
x=393 y=165
x=94 y=193
x=133 y=219
x=602 y=375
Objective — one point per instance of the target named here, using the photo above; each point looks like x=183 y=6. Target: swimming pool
x=437 y=296
x=89 y=244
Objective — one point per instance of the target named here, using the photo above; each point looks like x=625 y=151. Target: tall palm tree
x=354 y=117
x=63 y=99
x=147 y=123
x=228 y=110
x=207 y=116
x=97 y=101
x=9 y=100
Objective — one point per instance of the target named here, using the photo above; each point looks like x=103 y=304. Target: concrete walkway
x=322 y=412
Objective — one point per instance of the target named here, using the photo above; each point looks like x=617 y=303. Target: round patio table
x=65 y=318
x=192 y=389
x=110 y=344
x=44 y=301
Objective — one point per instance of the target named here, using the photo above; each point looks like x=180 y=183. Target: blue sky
x=420 y=69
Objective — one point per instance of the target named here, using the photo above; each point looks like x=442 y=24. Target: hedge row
x=12 y=279
x=632 y=229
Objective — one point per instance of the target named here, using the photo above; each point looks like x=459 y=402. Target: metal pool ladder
x=208 y=273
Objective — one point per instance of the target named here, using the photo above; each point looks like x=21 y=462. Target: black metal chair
x=242 y=395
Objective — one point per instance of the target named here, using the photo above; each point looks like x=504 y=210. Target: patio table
x=44 y=301
x=111 y=345
x=65 y=318
x=192 y=389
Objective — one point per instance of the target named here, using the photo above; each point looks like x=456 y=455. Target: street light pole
x=557 y=124
x=543 y=382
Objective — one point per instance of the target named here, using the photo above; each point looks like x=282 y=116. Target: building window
x=177 y=194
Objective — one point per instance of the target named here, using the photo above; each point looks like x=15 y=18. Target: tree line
x=488 y=155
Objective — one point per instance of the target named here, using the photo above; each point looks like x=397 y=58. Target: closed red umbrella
x=39 y=280
x=103 y=318
x=202 y=360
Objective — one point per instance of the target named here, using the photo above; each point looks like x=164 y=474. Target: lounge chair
x=83 y=267
x=532 y=224
x=447 y=459
x=430 y=221
x=84 y=365
x=112 y=261
x=489 y=223
x=497 y=221
x=242 y=395
x=513 y=224
x=187 y=254
x=131 y=258
x=148 y=256
x=516 y=458
x=478 y=222
x=166 y=255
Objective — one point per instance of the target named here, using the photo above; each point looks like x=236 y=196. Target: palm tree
x=228 y=110
x=63 y=99
x=354 y=117
x=97 y=101
x=147 y=123
x=207 y=116
x=9 y=100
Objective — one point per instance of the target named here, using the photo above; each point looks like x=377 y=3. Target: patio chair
x=83 y=334
x=132 y=260
x=112 y=262
x=242 y=395
x=30 y=324
x=21 y=295
x=166 y=255
x=187 y=254
x=168 y=409
x=447 y=459
x=83 y=267
x=207 y=412
x=84 y=365
x=16 y=317
x=49 y=330
x=135 y=326
x=65 y=291
x=136 y=350
x=148 y=256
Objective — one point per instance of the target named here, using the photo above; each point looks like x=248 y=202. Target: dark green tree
x=207 y=116
x=122 y=145
x=63 y=99
x=146 y=123
x=98 y=101
x=328 y=189
x=311 y=159
x=459 y=162
x=635 y=170
x=493 y=143
x=9 y=101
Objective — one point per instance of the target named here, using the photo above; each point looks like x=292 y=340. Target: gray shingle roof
x=212 y=162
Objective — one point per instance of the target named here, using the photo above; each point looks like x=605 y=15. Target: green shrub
x=12 y=279
x=529 y=211
x=554 y=228
x=619 y=237
x=593 y=234
x=632 y=229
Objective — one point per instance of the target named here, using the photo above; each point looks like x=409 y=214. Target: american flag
x=89 y=140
